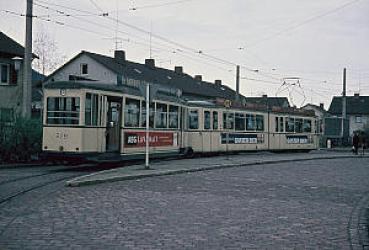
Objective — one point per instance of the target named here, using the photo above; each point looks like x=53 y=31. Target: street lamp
x=17 y=63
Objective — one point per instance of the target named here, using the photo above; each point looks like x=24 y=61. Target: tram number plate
x=239 y=138
x=297 y=140
x=156 y=139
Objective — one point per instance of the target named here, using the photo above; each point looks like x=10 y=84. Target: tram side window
x=131 y=112
x=298 y=125
x=259 y=123
x=173 y=116
x=277 y=124
x=240 y=121
x=161 y=115
x=281 y=122
x=207 y=122
x=193 y=119
x=290 y=125
x=63 y=110
x=250 y=122
x=215 y=119
x=91 y=109
x=307 y=126
x=151 y=115
x=228 y=120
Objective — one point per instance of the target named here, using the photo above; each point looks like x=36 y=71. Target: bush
x=20 y=140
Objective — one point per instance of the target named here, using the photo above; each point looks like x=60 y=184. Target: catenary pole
x=147 y=137
x=27 y=67
x=343 y=104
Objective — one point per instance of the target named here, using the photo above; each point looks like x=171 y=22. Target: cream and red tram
x=94 y=120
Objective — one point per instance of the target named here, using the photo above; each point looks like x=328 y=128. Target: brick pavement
x=278 y=206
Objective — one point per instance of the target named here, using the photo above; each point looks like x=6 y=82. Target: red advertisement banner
x=156 y=139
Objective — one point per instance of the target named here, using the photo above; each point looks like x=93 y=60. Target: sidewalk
x=201 y=164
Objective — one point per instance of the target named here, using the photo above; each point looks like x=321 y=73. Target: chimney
x=198 y=78
x=150 y=63
x=178 y=69
x=120 y=56
x=356 y=94
x=321 y=105
x=264 y=96
x=218 y=82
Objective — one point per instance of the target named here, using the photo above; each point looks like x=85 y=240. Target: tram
x=96 y=120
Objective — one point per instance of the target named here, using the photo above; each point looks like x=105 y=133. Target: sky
x=292 y=48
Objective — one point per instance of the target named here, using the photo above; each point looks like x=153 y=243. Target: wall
x=96 y=71
x=11 y=95
x=358 y=126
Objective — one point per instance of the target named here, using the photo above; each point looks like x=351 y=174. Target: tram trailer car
x=95 y=120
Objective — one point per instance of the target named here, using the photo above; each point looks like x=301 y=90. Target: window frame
x=126 y=116
x=76 y=113
x=189 y=119
x=8 y=74
x=207 y=120
x=82 y=69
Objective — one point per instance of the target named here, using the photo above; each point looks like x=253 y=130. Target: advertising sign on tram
x=156 y=139
x=239 y=138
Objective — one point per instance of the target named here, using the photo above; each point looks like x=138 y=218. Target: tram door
x=113 y=125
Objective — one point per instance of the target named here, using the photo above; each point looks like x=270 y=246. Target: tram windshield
x=63 y=110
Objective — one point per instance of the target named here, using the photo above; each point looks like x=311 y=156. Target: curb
x=76 y=183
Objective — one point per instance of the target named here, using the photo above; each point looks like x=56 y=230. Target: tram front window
x=63 y=110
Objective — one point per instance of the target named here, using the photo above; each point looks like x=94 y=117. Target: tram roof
x=124 y=89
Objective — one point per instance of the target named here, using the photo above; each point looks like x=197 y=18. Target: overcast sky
x=312 y=40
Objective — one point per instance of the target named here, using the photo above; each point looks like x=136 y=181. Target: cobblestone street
x=296 y=205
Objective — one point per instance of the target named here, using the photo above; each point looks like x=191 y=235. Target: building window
x=215 y=120
x=207 y=120
x=63 y=110
x=240 y=121
x=84 y=69
x=131 y=112
x=193 y=119
x=358 y=119
x=4 y=74
x=91 y=109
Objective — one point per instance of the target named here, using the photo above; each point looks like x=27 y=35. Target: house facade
x=357 y=109
x=10 y=78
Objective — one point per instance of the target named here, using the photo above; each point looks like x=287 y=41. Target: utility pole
x=238 y=83
x=343 y=104
x=27 y=67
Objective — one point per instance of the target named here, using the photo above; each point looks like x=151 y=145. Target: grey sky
x=310 y=39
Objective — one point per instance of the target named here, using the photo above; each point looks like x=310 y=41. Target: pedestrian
x=355 y=143
x=362 y=142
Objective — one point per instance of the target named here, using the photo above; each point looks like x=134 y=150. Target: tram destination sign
x=239 y=138
x=297 y=139
x=156 y=139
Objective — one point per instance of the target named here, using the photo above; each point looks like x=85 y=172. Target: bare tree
x=45 y=47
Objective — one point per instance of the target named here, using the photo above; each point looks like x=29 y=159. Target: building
x=11 y=78
x=96 y=68
x=279 y=102
x=357 y=110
